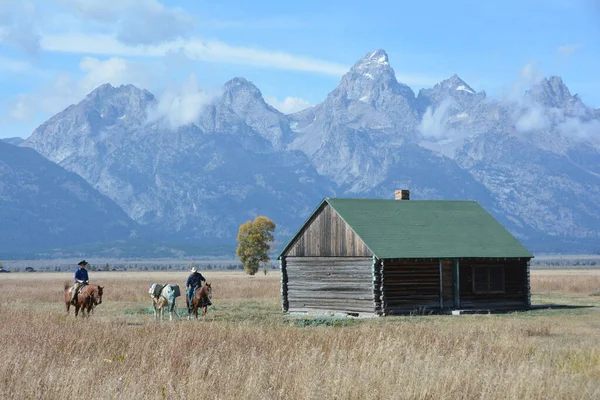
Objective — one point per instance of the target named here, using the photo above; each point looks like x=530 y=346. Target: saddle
x=79 y=288
x=155 y=290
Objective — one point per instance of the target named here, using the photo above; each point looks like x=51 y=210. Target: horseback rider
x=194 y=281
x=81 y=278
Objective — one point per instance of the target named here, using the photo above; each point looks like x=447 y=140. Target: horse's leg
x=204 y=311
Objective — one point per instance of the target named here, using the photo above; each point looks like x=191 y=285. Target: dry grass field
x=246 y=349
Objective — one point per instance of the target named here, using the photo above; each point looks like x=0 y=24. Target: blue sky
x=53 y=52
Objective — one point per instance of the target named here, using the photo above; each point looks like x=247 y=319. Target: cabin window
x=488 y=279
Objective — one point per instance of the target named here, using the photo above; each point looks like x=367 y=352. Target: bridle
x=208 y=292
x=95 y=299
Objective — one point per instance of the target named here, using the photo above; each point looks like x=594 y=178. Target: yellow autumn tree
x=254 y=242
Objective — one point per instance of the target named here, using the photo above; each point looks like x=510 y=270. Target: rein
x=92 y=297
x=207 y=293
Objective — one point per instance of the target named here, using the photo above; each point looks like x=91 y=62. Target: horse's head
x=208 y=290
x=98 y=297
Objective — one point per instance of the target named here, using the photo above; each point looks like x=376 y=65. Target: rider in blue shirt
x=81 y=278
x=193 y=282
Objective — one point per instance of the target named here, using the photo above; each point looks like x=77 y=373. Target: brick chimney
x=402 y=194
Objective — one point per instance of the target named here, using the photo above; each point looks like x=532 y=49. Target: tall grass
x=230 y=355
x=565 y=283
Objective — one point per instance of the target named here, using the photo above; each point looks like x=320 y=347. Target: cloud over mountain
x=218 y=160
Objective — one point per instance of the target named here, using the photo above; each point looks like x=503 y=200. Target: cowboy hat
x=193 y=270
x=82 y=262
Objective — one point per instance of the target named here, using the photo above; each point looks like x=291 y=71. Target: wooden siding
x=377 y=286
x=330 y=284
x=410 y=286
x=284 y=289
x=327 y=235
x=516 y=291
x=448 y=283
x=528 y=283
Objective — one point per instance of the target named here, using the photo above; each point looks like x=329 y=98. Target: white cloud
x=433 y=124
x=289 y=105
x=530 y=74
x=18 y=25
x=66 y=89
x=181 y=104
x=530 y=116
x=580 y=130
x=533 y=118
x=568 y=49
x=136 y=21
x=195 y=49
x=116 y=71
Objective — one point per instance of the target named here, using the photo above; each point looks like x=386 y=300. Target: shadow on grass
x=558 y=307
x=327 y=322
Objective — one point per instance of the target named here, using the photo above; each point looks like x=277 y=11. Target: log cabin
x=379 y=257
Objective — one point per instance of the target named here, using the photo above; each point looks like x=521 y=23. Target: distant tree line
x=565 y=263
x=141 y=266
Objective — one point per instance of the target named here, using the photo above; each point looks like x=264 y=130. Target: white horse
x=165 y=299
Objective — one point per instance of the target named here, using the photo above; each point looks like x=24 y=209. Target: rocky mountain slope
x=533 y=162
x=42 y=205
x=198 y=181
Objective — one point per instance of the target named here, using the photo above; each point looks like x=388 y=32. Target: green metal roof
x=426 y=229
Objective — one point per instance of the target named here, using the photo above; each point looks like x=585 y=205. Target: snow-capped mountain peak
x=377 y=58
x=369 y=137
x=370 y=80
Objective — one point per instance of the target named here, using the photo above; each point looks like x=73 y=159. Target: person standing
x=81 y=278
x=194 y=281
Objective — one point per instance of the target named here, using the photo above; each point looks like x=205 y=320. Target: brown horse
x=89 y=296
x=200 y=299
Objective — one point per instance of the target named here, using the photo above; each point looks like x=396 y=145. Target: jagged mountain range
x=533 y=161
x=43 y=205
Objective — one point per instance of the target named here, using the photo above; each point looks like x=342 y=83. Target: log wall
x=448 y=284
x=367 y=285
x=516 y=286
x=377 y=286
x=330 y=284
x=410 y=286
x=327 y=235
